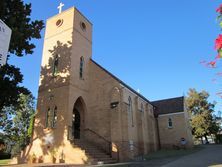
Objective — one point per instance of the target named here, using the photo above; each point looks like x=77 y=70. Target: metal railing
x=98 y=140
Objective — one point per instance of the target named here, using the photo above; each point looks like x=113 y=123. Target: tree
x=20 y=130
x=213 y=63
x=16 y=15
x=203 y=121
x=16 y=106
x=10 y=80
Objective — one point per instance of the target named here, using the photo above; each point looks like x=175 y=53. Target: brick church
x=85 y=114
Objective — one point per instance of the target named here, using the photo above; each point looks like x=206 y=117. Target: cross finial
x=60 y=7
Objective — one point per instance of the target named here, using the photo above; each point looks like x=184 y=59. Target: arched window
x=170 y=123
x=48 y=118
x=142 y=109
x=54 y=121
x=130 y=109
x=81 y=67
x=51 y=118
x=55 y=66
x=129 y=104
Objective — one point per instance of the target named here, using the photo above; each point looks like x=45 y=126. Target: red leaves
x=212 y=63
x=218 y=56
x=219 y=9
x=218 y=42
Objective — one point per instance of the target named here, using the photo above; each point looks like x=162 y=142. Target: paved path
x=211 y=156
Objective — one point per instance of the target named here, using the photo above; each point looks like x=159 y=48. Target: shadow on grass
x=162 y=154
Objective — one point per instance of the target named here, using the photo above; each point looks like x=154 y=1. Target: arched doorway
x=78 y=118
x=76 y=123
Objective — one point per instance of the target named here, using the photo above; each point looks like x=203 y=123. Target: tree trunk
x=205 y=136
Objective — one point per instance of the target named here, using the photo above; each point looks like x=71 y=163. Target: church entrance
x=78 y=119
x=76 y=122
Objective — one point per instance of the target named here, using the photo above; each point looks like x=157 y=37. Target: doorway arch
x=78 y=117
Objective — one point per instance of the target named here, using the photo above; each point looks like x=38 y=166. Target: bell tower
x=64 y=77
x=67 y=50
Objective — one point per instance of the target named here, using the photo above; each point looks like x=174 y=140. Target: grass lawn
x=171 y=153
x=4 y=161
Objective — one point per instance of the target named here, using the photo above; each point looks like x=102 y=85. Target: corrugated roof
x=172 y=105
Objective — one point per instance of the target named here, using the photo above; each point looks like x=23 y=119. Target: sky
x=155 y=46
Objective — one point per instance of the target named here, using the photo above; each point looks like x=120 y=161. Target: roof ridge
x=123 y=83
x=168 y=99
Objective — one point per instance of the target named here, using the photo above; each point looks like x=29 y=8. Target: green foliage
x=16 y=102
x=203 y=121
x=10 y=80
x=31 y=126
x=19 y=130
x=16 y=14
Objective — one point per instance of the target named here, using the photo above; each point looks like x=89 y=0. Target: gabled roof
x=121 y=82
x=172 y=105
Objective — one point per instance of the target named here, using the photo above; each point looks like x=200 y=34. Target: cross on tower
x=60 y=7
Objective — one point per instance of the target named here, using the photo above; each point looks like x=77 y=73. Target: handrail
x=108 y=149
x=87 y=129
x=136 y=147
x=104 y=139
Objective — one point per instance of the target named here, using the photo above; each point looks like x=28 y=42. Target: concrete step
x=111 y=161
x=104 y=159
x=93 y=150
x=95 y=154
x=99 y=156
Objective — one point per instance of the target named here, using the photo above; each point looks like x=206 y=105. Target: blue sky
x=152 y=45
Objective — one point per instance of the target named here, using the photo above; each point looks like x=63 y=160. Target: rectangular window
x=54 y=121
x=170 y=123
x=55 y=66
x=47 y=118
x=51 y=118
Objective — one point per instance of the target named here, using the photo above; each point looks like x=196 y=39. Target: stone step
x=85 y=146
x=95 y=154
x=93 y=150
x=99 y=156
x=104 y=159
x=90 y=148
x=111 y=161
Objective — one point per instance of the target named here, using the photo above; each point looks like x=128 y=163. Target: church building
x=85 y=114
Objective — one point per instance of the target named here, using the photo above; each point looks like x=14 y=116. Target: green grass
x=171 y=153
x=4 y=161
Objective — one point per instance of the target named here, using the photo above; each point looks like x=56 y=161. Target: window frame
x=81 y=67
x=130 y=110
x=51 y=118
x=170 y=123
x=141 y=108
x=55 y=65
x=55 y=117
